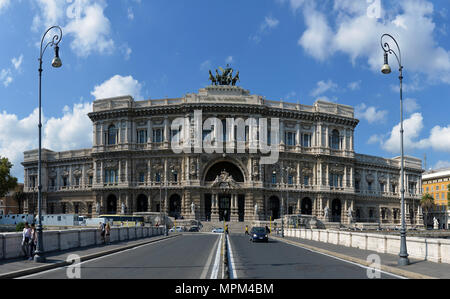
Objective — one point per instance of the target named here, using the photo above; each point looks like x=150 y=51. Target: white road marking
x=233 y=274
x=215 y=271
x=208 y=263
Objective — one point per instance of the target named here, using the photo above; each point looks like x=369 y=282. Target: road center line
x=208 y=263
x=231 y=259
x=215 y=271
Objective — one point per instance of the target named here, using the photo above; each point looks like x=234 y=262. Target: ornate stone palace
x=133 y=168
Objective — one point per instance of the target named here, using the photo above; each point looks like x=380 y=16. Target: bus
x=123 y=220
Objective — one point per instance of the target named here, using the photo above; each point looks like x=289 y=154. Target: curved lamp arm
x=54 y=42
x=387 y=48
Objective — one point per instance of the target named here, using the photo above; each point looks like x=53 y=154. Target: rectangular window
x=91 y=179
x=369 y=186
x=142 y=177
x=382 y=187
x=157 y=135
x=65 y=182
x=290 y=180
x=158 y=177
x=290 y=138
x=77 y=181
x=274 y=178
x=357 y=185
x=142 y=136
x=306 y=140
x=306 y=180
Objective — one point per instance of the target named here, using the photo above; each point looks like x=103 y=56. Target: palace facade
x=132 y=166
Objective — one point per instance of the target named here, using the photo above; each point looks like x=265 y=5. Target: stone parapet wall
x=10 y=243
x=433 y=250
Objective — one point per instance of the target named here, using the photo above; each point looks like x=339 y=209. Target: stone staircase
x=233 y=227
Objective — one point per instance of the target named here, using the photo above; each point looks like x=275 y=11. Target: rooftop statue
x=226 y=78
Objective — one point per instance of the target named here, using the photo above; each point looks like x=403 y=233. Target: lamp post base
x=403 y=261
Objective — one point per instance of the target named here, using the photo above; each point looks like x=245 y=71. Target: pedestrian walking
x=246 y=230
x=33 y=242
x=267 y=230
x=102 y=231
x=107 y=233
x=26 y=236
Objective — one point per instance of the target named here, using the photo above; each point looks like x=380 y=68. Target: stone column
x=214 y=207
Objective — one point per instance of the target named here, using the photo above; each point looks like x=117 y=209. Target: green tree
x=7 y=182
x=427 y=204
x=448 y=195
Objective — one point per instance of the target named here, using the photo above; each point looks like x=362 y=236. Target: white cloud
x=441 y=164
x=355 y=85
x=357 y=35
x=371 y=114
x=118 y=86
x=268 y=24
x=322 y=87
x=130 y=14
x=4 y=4
x=229 y=59
x=410 y=105
x=205 y=65
x=71 y=131
x=412 y=128
x=82 y=20
x=316 y=39
x=6 y=77
x=17 y=62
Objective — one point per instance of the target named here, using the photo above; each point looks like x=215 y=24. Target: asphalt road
x=195 y=256
x=190 y=256
x=279 y=260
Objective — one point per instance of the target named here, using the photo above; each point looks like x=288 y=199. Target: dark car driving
x=259 y=234
x=194 y=229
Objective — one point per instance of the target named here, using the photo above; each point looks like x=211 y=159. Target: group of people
x=29 y=240
x=105 y=232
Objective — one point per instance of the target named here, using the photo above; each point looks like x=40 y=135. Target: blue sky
x=291 y=50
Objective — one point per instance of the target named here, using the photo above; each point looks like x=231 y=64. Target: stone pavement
x=20 y=267
x=418 y=269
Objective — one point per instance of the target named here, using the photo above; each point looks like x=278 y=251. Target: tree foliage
x=7 y=182
x=427 y=202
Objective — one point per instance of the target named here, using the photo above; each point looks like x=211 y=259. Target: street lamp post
x=282 y=201
x=386 y=69
x=56 y=63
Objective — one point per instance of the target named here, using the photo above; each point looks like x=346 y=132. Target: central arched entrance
x=336 y=210
x=224 y=166
x=142 y=203
x=111 y=204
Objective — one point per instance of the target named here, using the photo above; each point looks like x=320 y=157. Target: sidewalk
x=418 y=269
x=20 y=267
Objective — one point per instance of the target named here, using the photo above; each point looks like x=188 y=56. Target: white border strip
x=231 y=264
x=215 y=271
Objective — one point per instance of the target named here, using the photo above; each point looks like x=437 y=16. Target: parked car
x=194 y=229
x=259 y=234
x=177 y=229
x=218 y=230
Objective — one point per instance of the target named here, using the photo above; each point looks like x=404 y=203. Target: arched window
x=334 y=139
x=112 y=132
